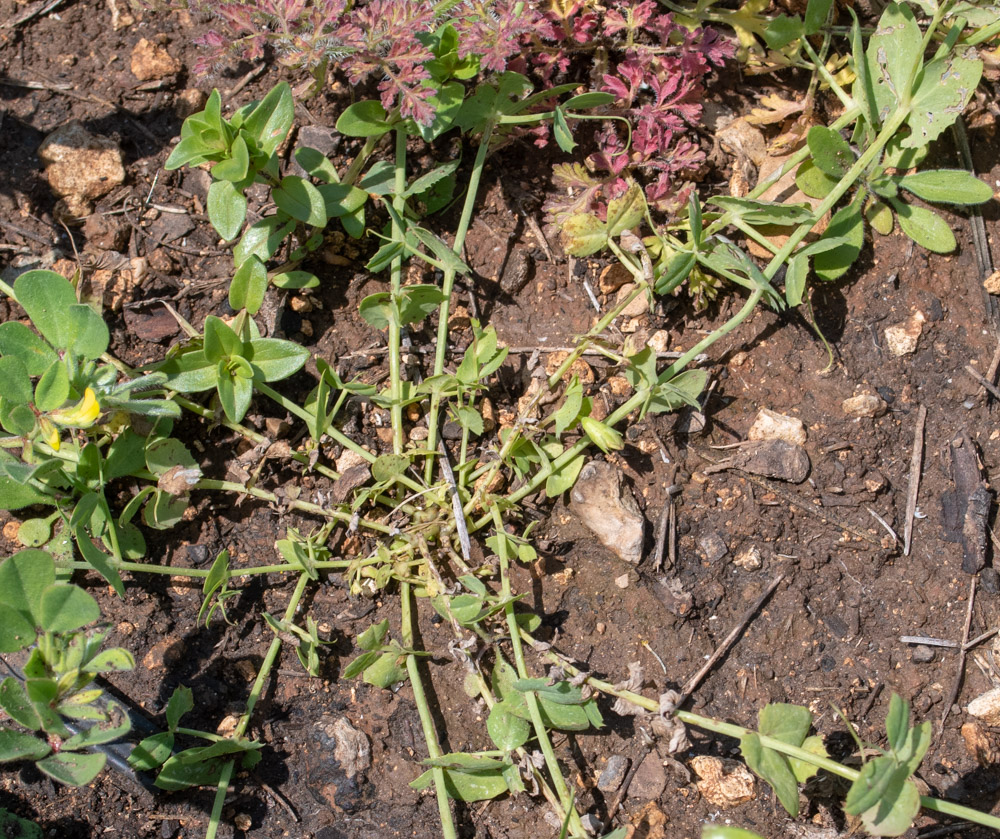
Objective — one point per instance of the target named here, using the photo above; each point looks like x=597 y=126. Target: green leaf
x=88 y=331
x=944 y=89
x=427 y=180
x=273 y=359
x=377 y=310
x=563 y=480
x=152 y=751
x=316 y=164
x=817 y=12
x=115 y=660
x=227 y=209
x=24 y=577
x=17 y=631
x=782 y=30
x=295 y=279
x=506 y=730
x=249 y=286
x=19 y=341
x=894 y=815
x=99 y=560
x=386 y=671
x=47 y=298
x=879 y=216
x=897 y=722
x=190 y=372
x=380 y=178
x=269 y=122
x=561 y=131
x=97 y=735
x=814 y=182
x=795 y=279
x=784 y=722
x=221 y=342
x=894 y=53
x=364 y=119
x=237 y=164
x=764 y=212
x=388 y=467
x=177 y=774
x=181 y=701
x=263 y=238
x=774 y=769
x=830 y=152
x=583 y=234
x=925 y=227
x=372 y=638
x=64 y=608
x=73 y=768
x=52 y=389
x=166 y=453
x=947 y=186
x=418 y=301
x=449 y=260
x=15 y=384
x=301 y=200
x=593 y=99
x=847 y=223
x=802 y=769
x=235 y=393
x=14 y=700
x=16 y=745
x=360 y=664
x=626 y=212
x=718 y=831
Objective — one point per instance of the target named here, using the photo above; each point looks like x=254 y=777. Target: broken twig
x=960 y=671
x=730 y=639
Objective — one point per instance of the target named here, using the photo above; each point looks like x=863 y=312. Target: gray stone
x=649 y=780
x=607 y=507
x=613 y=774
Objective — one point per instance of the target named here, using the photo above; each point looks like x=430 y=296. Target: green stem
x=447 y=286
x=531 y=700
x=395 y=281
x=258 y=686
x=424 y=711
x=737 y=732
x=354 y=170
x=295 y=504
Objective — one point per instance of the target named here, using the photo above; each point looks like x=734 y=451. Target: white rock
x=607 y=507
x=637 y=307
x=749 y=559
x=770 y=425
x=622 y=581
x=81 y=167
x=864 y=405
x=902 y=338
x=987 y=707
x=348 y=459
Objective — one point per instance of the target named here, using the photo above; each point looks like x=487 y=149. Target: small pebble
x=622 y=581
x=613 y=774
x=922 y=654
x=989 y=579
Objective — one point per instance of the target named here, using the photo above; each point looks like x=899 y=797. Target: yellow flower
x=82 y=415
x=50 y=433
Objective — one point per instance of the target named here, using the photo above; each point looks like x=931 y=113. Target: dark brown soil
x=830 y=635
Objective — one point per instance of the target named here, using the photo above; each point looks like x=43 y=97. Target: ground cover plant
x=79 y=420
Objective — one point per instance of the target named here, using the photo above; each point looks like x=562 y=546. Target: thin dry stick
x=730 y=639
x=991 y=373
x=916 y=461
x=961 y=656
x=663 y=526
x=986 y=383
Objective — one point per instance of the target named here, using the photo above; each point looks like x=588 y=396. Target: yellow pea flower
x=82 y=415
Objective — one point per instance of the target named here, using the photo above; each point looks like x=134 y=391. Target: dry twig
x=960 y=671
x=916 y=461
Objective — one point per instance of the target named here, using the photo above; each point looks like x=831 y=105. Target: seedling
x=58 y=690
